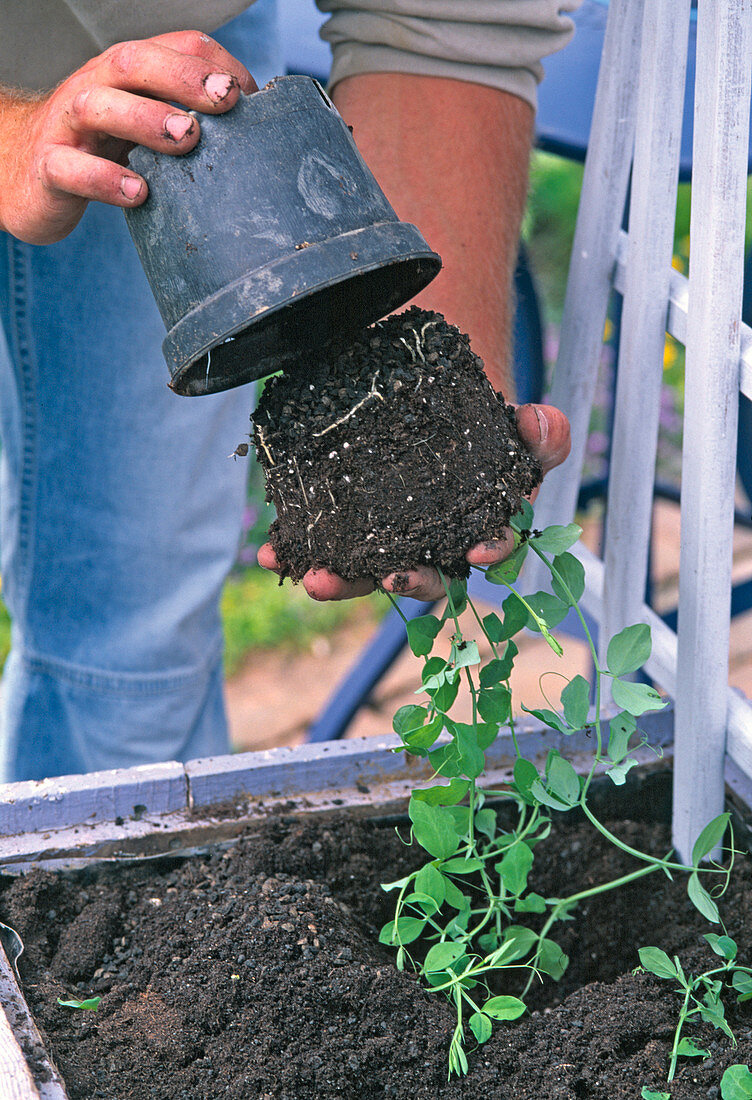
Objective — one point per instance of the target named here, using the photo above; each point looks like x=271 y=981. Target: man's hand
x=545 y=431
x=59 y=151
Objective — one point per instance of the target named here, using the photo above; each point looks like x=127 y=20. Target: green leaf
x=657 y=962
x=462 y=866
x=688 y=1048
x=461 y=817
x=651 y=1094
x=421 y=633
x=431 y=882
x=548 y=608
x=515 y=867
x=618 y=772
x=628 y=650
x=422 y=901
x=481 y=1026
x=457 y=598
x=436 y=671
x=485 y=822
x=515 y=616
x=636 y=698
x=525 y=774
x=531 y=903
x=523 y=520
x=495 y=672
x=507 y=571
x=464 y=654
x=722 y=945
x=621 y=729
x=572 y=574
x=710 y=837
x=575 y=699
x=439 y=795
x=403 y=930
x=442 y=955
x=552 y=960
x=521 y=941
x=495 y=705
x=455 y=897
x=433 y=828
x=561 y=779
x=742 y=983
x=418 y=740
x=504 y=1008
x=90 y=1004
x=548 y=718
x=409 y=718
x=701 y=899
x=492 y=628
x=736 y=1083
x=556 y=539
x=444 y=760
x=445 y=694
x=471 y=758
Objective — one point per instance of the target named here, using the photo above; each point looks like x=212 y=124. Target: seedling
x=91 y=1004
x=459 y=910
x=701 y=994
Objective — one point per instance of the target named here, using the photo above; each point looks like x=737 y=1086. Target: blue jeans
x=120 y=508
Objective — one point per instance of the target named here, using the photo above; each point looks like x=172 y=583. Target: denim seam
x=27 y=480
x=121 y=683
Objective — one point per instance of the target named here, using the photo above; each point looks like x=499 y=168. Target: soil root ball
x=391 y=453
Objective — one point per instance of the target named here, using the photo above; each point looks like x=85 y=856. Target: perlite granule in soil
x=256 y=974
x=391 y=453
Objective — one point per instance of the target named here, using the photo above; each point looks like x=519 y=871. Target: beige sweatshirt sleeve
x=494 y=42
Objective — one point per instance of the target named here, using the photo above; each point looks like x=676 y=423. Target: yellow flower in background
x=670 y=353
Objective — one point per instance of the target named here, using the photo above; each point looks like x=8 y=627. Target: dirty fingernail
x=177 y=126
x=131 y=187
x=218 y=85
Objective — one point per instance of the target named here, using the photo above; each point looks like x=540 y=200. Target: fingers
x=320 y=584
x=545 y=431
x=201 y=45
x=150 y=66
x=74 y=172
x=423 y=583
x=133 y=118
x=491 y=551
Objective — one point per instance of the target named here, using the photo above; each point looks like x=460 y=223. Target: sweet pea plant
x=455 y=918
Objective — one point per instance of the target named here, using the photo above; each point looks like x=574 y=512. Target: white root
x=373 y=392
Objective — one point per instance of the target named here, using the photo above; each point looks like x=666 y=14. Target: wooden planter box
x=173 y=808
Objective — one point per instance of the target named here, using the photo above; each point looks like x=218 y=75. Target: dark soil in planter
x=255 y=973
x=391 y=453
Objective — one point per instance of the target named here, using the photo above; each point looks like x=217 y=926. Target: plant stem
x=677 y=1034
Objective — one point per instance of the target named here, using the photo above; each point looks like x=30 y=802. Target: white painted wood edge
x=17 y=1028
x=78 y=799
x=678 y=305
x=355 y=772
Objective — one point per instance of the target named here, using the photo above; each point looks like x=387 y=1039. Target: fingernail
x=177 y=126
x=542 y=422
x=218 y=85
x=131 y=187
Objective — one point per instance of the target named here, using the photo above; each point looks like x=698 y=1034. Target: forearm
x=452 y=158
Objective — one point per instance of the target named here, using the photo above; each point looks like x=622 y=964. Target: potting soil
x=255 y=974
x=390 y=453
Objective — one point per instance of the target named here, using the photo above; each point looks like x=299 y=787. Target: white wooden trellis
x=636 y=127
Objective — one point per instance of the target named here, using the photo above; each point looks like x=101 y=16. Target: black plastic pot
x=271 y=236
